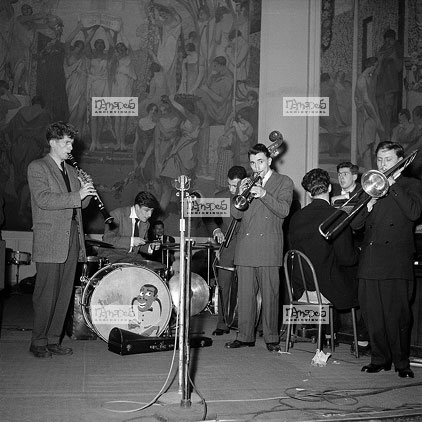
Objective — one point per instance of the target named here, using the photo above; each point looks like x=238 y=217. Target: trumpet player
x=259 y=249
x=386 y=264
x=57 y=196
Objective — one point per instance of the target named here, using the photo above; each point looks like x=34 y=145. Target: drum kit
x=18 y=258
x=136 y=297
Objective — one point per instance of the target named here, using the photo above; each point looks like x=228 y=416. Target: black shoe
x=57 y=349
x=40 y=351
x=405 y=373
x=273 y=347
x=235 y=344
x=220 y=332
x=372 y=368
x=363 y=350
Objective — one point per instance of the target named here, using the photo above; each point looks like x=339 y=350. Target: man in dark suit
x=347 y=174
x=259 y=250
x=226 y=270
x=157 y=234
x=129 y=232
x=327 y=257
x=57 y=196
x=386 y=264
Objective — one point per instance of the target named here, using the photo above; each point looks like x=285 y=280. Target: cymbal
x=94 y=242
x=210 y=245
x=152 y=265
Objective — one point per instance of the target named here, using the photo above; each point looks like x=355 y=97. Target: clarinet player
x=57 y=196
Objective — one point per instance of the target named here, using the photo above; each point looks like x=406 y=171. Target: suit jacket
x=326 y=257
x=260 y=237
x=119 y=234
x=388 y=245
x=52 y=209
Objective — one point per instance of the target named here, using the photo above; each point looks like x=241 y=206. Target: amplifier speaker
x=125 y=342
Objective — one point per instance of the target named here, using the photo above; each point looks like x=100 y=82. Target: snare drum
x=19 y=258
x=129 y=297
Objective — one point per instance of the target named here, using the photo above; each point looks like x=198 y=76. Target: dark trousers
x=267 y=280
x=226 y=287
x=387 y=315
x=52 y=294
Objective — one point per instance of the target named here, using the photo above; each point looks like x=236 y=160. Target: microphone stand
x=182 y=184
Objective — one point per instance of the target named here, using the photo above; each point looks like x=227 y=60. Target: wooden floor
x=248 y=384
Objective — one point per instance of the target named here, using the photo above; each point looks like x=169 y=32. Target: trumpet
x=108 y=219
x=375 y=184
x=242 y=200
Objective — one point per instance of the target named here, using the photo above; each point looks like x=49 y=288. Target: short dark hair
x=221 y=60
x=389 y=33
x=150 y=106
x=388 y=145
x=58 y=130
x=256 y=149
x=146 y=199
x=157 y=223
x=354 y=169
x=236 y=172
x=370 y=61
x=150 y=286
x=405 y=112
x=316 y=181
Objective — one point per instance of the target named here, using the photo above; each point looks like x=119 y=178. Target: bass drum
x=200 y=292
x=126 y=296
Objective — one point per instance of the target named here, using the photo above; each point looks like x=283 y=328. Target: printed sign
x=306 y=106
x=114 y=106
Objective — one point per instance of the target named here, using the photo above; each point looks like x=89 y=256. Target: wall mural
x=375 y=73
x=192 y=64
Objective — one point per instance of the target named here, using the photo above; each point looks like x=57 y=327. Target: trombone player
x=386 y=263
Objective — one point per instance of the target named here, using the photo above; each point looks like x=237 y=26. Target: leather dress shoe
x=273 y=347
x=57 y=349
x=220 y=332
x=405 y=373
x=372 y=368
x=40 y=351
x=235 y=344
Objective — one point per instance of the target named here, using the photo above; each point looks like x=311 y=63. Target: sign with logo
x=306 y=106
x=114 y=106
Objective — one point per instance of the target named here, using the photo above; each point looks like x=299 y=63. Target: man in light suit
x=259 y=250
x=128 y=233
x=57 y=196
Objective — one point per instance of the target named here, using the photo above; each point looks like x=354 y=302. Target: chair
x=298 y=265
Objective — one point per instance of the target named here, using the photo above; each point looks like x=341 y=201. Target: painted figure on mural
x=26 y=131
x=123 y=76
x=98 y=80
x=156 y=88
x=51 y=81
x=389 y=81
x=224 y=21
x=215 y=102
x=368 y=119
x=237 y=53
x=189 y=69
x=170 y=26
x=76 y=65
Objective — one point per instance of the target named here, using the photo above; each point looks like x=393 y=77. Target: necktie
x=136 y=229
x=65 y=176
x=66 y=180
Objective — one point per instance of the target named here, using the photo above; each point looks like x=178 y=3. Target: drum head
x=129 y=297
x=200 y=292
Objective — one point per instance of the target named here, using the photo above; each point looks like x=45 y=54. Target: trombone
x=375 y=184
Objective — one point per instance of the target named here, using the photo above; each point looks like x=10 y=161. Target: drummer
x=167 y=241
x=129 y=230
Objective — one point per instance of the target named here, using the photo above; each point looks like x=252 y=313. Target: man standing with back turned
x=259 y=250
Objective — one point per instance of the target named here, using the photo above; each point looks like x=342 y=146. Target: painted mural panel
x=370 y=70
x=193 y=66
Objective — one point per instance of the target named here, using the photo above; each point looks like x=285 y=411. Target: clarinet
x=108 y=219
